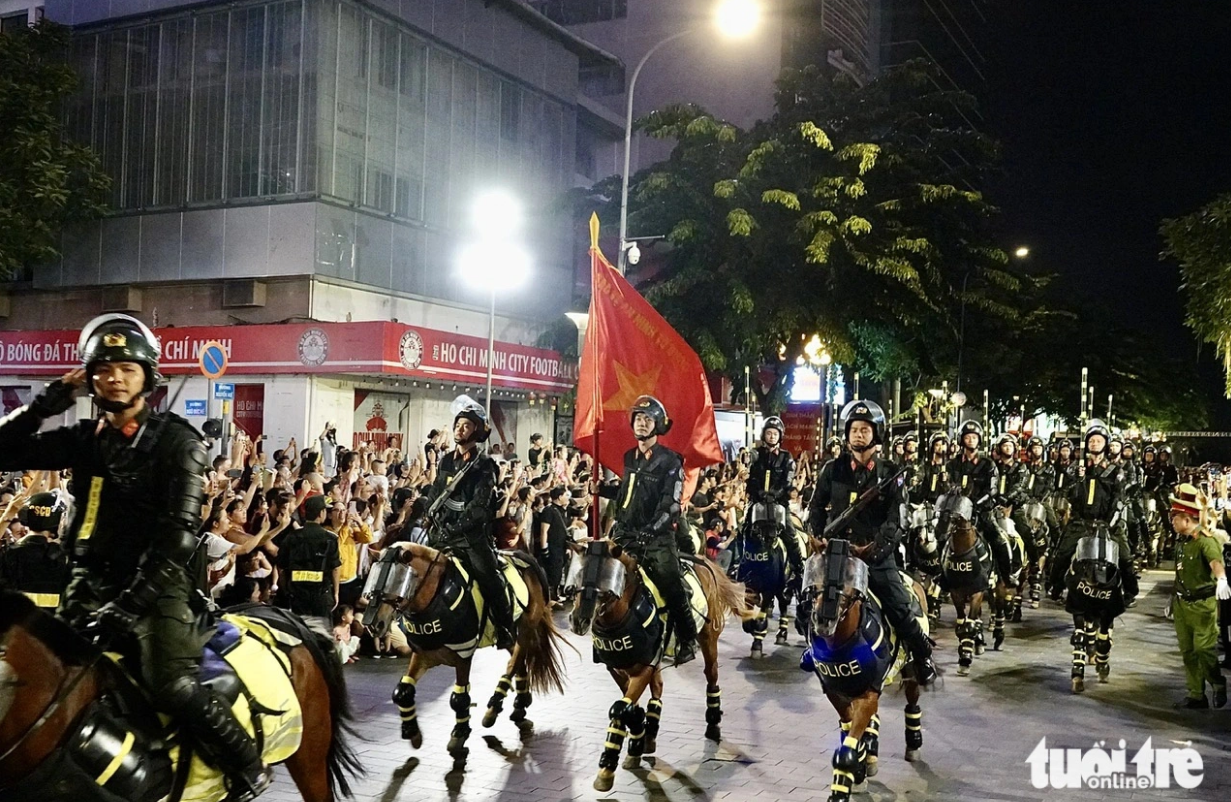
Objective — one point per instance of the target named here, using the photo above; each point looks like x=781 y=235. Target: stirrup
x=245 y=788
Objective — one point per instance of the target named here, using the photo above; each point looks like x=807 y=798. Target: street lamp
x=1022 y=252
x=495 y=260
x=734 y=19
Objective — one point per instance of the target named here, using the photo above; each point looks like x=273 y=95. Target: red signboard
x=250 y=409
x=802 y=431
x=313 y=348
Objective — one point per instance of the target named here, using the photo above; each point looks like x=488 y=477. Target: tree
x=45 y=180
x=1201 y=243
x=848 y=214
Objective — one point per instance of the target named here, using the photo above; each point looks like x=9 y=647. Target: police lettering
x=965 y=568
x=1093 y=592
x=757 y=556
x=839 y=669
x=612 y=644
x=430 y=628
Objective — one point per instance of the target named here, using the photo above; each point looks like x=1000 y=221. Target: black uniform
x=1012 y=490
x=463 y=525
x=38 y=567
x=1095 y=497
x=1133 y=479
x=770 y=478
x=979 y=480
x=839 y=484
x=931 y=482
x=132 y=543
x=647 y=505
x=307 y=559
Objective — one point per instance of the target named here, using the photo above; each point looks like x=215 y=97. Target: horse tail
x=541 y=640
x=341 y=762
x=730 y=596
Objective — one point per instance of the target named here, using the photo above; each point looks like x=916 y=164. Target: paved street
x=779 y=730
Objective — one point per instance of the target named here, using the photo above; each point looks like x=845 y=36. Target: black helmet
x=1035 y=441
x=1128 y=444
x=970 y=427
x=938 y=437
x=1064 y=442
x=910 y=437
x=1096 y=426
x=834 y=440
x=774 y=422
x=1007 y=437
x=42 y=512
x=868 y=411
x=1149 y=449
x=1166 y=449
x=466 y=407
x=649 y=405
x=119 y=338
x=1115 y=438
x=897 y=440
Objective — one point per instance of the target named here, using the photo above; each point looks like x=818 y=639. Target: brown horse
x=630 y=639
x=432 y=596
x=967 y=566
x=855 y=654
x=62 y=721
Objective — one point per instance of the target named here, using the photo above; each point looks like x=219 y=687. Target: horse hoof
x=651 y=746
x=782 y=639
x=604 y=781
x=713 y=732
x=518 y=715
x=631 y=762
x=1104 y=675
x=1079 y=685
x=457 y=747
x=416 y=739
x=912 y=755
x=525 y=725
x=873 y=767
x=979 y=649
x=997 y=643
x=963 y=671
x=1034 y=605
x=489 y=718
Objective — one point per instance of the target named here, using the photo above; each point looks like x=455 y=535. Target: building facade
x=953 y=35
x=17 y=14
x=843 y=34
x=293 y=164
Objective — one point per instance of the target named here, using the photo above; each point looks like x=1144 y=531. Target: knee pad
x=846 y=758
x=620 y=709
x=459 y=700
x=634 y=720
x=404 y=694
x=1078 y=639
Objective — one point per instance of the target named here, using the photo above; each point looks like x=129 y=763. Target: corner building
x=294 y=178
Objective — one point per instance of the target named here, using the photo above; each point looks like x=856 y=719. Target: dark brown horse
x=855 y=654
x=968 y=575
x=57 y=717
x=432 y=596
x=630 y=639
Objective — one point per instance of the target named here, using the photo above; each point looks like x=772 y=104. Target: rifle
x=440 y=500
x=865 y=498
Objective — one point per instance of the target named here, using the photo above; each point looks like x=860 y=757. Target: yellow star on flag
x=632 y=386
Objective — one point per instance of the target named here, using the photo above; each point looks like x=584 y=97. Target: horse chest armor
x=967 y=570
x=861 y=663
x=445 y=616
x=635 y=640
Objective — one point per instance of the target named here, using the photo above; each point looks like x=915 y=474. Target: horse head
x=838 y=582
x=955 y=514
x=393 y=585
x=597 y=575
x=768 y=521
x=922 y=526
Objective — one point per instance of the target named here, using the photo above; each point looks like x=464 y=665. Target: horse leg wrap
x=459 y=700
x=784 y=627
x=713 y=705
x=1091 y=635
x=845 y=764
x=634 y=724
x=760 y=626
x=615 y=735
x=914 y=727
x=998 y=630
x=1079 y=652
x=966 y=642
x=404 y=698
x=496 y=703
x=872 y=736
x=1036 y=591
x=979 y=632
x=653 y=713
x=522 y=700
x=1102 y=655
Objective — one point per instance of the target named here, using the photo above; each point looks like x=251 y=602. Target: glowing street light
x=1022 y=252
x=737 y=18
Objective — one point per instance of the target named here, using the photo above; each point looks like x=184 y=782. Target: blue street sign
x=195 y=408
x=213 y=360
x=224 y=392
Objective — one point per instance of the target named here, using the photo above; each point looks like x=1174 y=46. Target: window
x=602 y=81
x=580 y=12
x=14 y=23
x=510 y=110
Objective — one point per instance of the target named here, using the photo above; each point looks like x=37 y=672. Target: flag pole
x=596 y=530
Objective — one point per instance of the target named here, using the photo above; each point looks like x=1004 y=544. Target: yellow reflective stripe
x=850 y=741
x=1002 y=478
x=1031 y=485
x=1090 y=495
x=307 y=576
x=114 y=765
x=934 y=477
x=854 y=497
x=964 y=478
x=628 y=493
x=91 y=509
x=44 y=599
x=767 y=481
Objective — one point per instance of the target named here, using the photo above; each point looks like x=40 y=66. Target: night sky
x=1112 y=115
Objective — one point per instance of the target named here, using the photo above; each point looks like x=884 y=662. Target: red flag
x=631 y=351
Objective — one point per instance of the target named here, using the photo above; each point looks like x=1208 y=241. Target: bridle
x=410 y=603
x=63 y=690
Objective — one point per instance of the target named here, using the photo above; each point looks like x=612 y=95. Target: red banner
x=250 y=409
x=307 y=348
x=802 y=431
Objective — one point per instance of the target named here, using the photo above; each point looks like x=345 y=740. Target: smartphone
x=234 y=473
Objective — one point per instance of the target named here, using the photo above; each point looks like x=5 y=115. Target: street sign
x=213 y=360
x=195 y=408
x=224 y=392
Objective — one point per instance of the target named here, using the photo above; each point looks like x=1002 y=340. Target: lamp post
x=734 y=18
x=495 y=260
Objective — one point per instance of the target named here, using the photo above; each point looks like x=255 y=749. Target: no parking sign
x=213 y=360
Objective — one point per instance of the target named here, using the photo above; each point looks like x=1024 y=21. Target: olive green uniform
x=1196 y=612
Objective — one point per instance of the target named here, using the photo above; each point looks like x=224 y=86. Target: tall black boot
x=220 y=738
x=497 y=601
x=685 y=627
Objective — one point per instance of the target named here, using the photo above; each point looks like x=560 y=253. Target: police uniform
x=307 y=560
x=133 y=539
x=978 y=479
x=38 y=567
x=931 y=481
x=770 y=478
x=1094 y=498
x=1195 y=607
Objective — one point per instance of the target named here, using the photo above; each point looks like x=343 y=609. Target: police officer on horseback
x=465 y=488
x=876 y=530
x=932 y=480
x=132 y=542
x=770 y=479
x=978 y=479
x=36 y=565
x=647 y=506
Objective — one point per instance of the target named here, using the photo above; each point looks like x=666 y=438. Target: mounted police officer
x=977 y=478
x=1134 y=499
x=37 y=565
x=646 y=510
x=1011 y=492
x=932 y=480
x=141 y=475
x=876 y=530
x=463 y=523
x=770 y=479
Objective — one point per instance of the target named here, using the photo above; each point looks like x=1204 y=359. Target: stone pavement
x=779 y=730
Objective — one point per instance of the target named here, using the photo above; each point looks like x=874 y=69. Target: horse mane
x=18 y=611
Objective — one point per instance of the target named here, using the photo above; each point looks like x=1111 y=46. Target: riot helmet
x=867 y=411
x=466 y=407
x=1096 y=428
x=970 y=427
x=652 y=407
x=119 y=338
x=773 y=422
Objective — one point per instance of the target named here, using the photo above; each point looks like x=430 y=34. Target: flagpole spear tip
x=594 y=231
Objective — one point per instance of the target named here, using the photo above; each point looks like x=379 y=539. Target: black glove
x=56 y=399
x=118 y=616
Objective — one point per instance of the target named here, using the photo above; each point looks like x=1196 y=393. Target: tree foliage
x=45 y=180
x=1201 y=243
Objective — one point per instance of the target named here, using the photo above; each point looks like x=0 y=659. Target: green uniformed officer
x=1199 y=577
